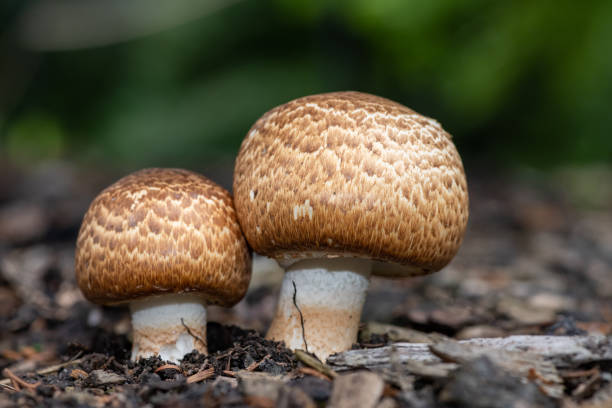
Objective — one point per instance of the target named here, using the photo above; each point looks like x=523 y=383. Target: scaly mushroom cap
x=161 y=231
x=352 y=174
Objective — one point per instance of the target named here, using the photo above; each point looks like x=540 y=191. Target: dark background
x=129 y=84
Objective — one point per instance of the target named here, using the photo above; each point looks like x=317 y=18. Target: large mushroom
x=167 y=242
x=340 y=186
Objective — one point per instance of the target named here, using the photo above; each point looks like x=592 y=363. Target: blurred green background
x=133 y=83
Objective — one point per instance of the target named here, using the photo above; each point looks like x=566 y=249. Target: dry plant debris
x=522 y=317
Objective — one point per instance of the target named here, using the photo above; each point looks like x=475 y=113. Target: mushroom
x=340 y=186
x=167 y=242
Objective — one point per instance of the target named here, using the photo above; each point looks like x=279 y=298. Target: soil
x=537 y=259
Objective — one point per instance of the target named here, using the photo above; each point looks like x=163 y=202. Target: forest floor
x=536 y=260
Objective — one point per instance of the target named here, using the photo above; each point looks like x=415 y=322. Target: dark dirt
x=536 y=260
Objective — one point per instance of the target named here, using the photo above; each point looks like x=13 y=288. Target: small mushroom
x=340 y=186
x=167 y=242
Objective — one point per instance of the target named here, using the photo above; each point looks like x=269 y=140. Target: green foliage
x=35 y=136
x=523 y=82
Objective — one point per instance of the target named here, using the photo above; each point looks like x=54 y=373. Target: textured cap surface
x=352 y=174
x=162 y=231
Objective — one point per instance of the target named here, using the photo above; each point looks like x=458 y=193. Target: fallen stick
x=562 y=351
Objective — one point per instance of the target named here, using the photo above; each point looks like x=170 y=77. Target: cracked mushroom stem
x=339 y=186
x=166 y=242
x=320 y=303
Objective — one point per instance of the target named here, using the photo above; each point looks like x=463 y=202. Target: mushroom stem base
x=169 y=326
x=329 y=295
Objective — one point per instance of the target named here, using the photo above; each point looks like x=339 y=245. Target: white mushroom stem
x=169 y=326
x=328 y=294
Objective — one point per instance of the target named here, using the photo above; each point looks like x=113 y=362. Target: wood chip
x=77 y=373
x=201 y=376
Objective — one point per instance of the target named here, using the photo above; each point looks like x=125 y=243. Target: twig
x=50 y=369
x=314 y=373
x=301 y=316
x=313 y=362
x=193 y=335
x=253 y=366
x=579 y=373
x=168 y=367
x=201 y=375
x=108 y=362
x=18 y=382
x=57 y=367
x=229 y=362
x=8 y=387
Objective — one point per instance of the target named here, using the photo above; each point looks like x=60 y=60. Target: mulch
x=535 y=260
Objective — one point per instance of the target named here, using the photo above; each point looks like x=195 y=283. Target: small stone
x=525 y=313
x=359 y=389
x=551 y=301
x=292 y=397
x=101 y=377
x=316 y=388
x=22 y=222
x=256 y=384
x=453 y=316
x=80 y=398
x=480 y=383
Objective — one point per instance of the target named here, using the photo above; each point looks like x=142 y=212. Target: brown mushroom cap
x=161 y=231
x=352 y=174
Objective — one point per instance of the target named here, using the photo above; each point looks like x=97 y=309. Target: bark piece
x=563 y=351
